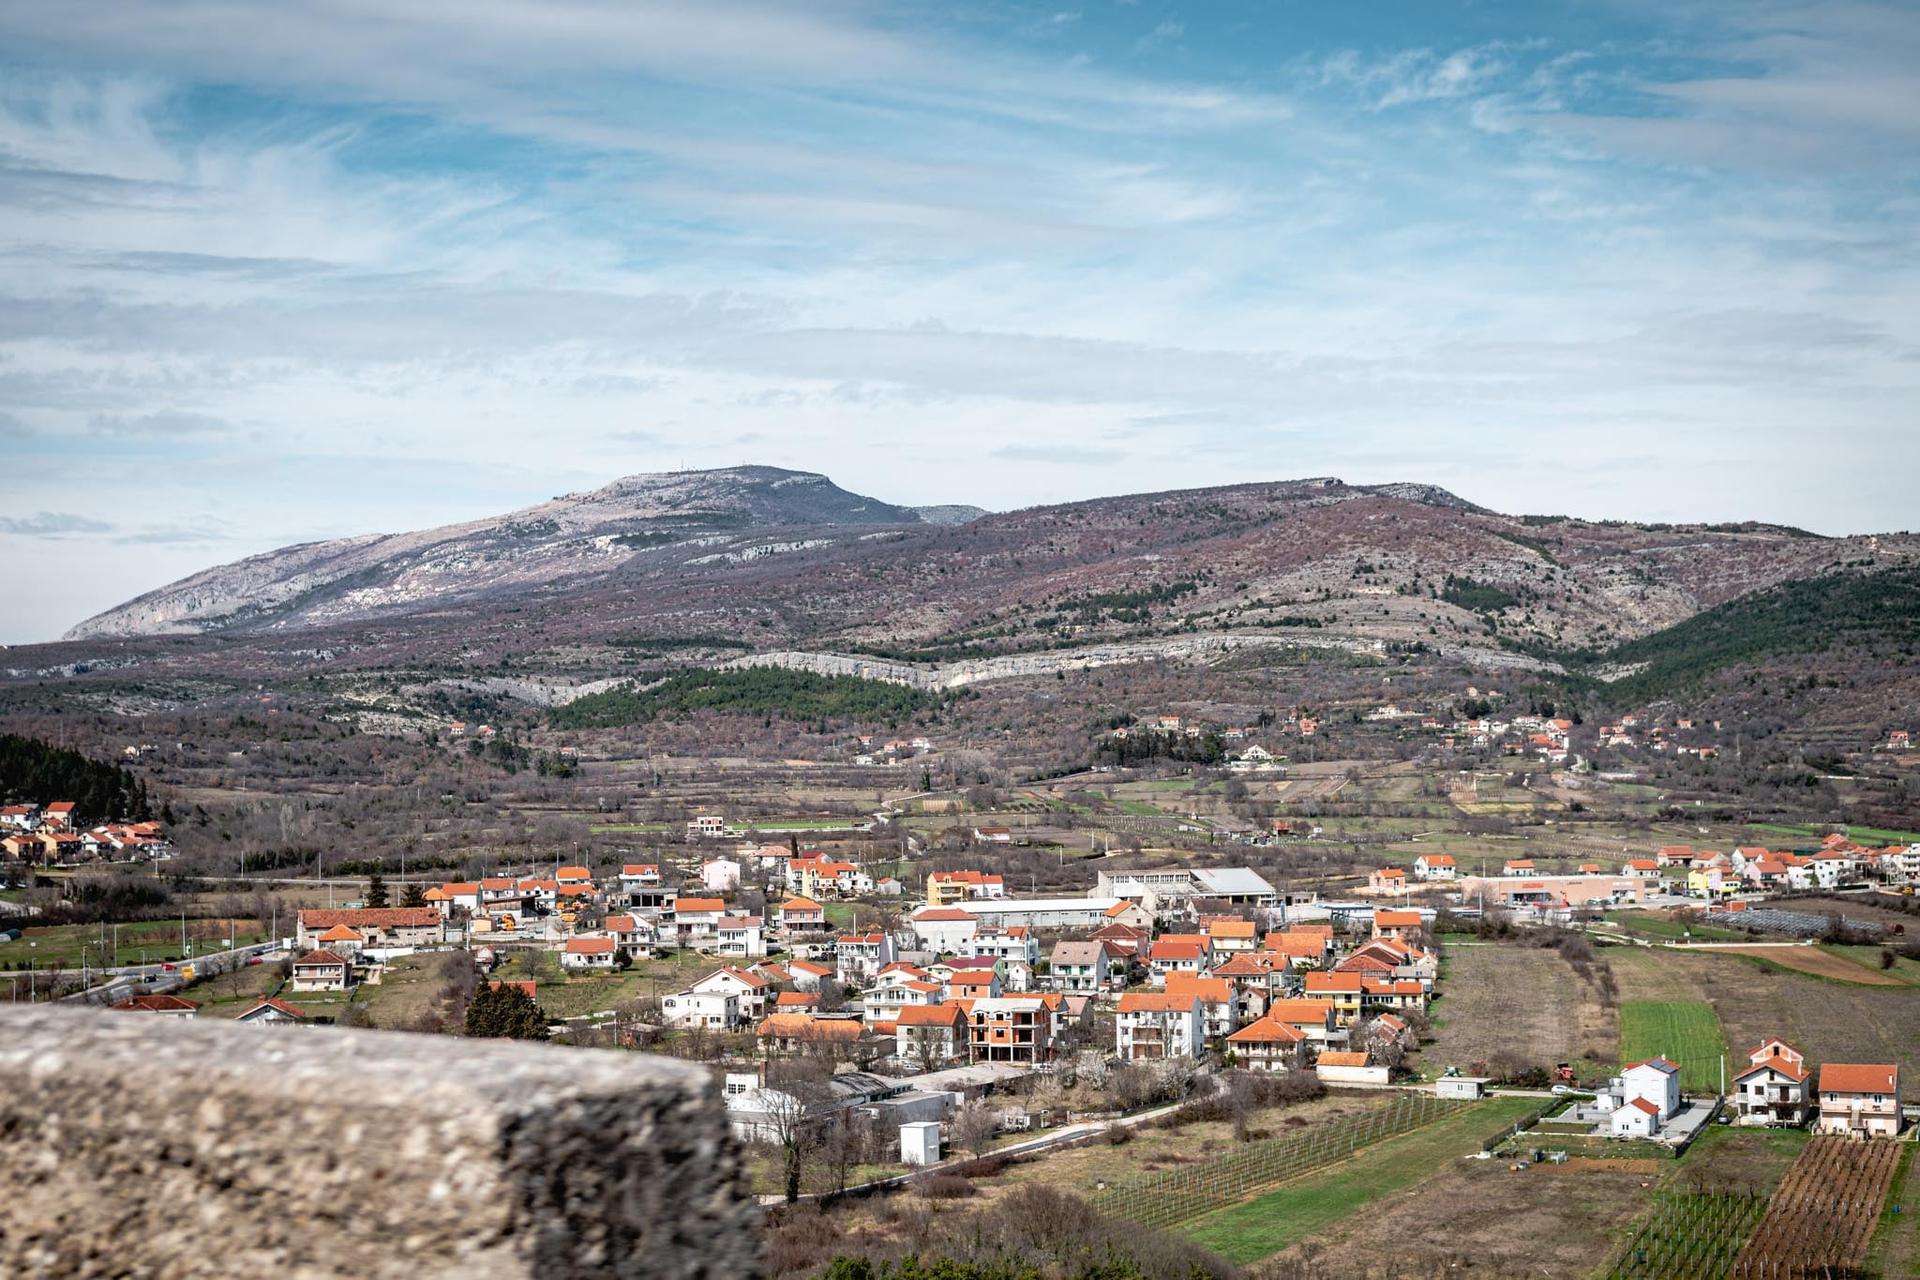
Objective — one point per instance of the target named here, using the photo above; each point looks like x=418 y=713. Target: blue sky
x=272 y=273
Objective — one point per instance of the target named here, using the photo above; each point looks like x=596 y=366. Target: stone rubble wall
x=143 y=1145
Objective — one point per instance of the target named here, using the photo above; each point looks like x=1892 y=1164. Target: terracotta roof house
x=1859 y=1099
x=173 y=1005
x=1267 y=1045
x=274 y=1012
x=321 y=971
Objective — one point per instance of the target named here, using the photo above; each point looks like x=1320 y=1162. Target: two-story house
x=1775 y=1089
x=1157 y=1024
x=1859 y=1099
x=1078 y=968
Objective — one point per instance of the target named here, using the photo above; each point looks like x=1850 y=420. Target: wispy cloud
x=326 y=268
x=52 y=524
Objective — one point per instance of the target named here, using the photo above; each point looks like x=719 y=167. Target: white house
x=713 y=1010
x=589 y=955
x=947 y=930
x=1656 y=1080
x=744 y=937
x=859 y=956
x=1435 y=866
x=1154 y=1024
x=1775 y=1089
x=754 y=993
x=1079 y=968
x=717 y=875
x=1639 y=1118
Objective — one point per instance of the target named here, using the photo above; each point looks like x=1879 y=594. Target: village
x=913 y=990
x=957 y=990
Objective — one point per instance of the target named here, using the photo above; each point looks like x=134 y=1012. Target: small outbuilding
x=1468 y=1088
x=920 y=1142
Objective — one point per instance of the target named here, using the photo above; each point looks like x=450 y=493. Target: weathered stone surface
x=137 y=1145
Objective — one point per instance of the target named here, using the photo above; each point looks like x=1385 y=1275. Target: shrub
x=945 y=1186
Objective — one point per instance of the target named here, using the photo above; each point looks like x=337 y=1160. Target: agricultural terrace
x=1822 y=1219
x=1684 y=1032
x=1311 y=1203
x=1828 y=1021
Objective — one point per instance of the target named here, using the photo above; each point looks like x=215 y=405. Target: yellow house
x=947 y=887
x=1708 y=882
x=1342 y=990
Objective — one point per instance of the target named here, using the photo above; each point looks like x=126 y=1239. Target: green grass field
x=627 y=828
x=804 y=824
x=1869 y=959
x=1296 y=1210
x=62 y=946
x=1652 y=926
x=1895 y=1250
x=1865 y=835
x=1685 y=1032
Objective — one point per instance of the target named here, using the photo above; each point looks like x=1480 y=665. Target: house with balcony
x=1219 y=1002
x=1268 y=1045
x=802 y=915
x=1010 y=1029
x=947 y=887
x=1859 y=1099
x=1340 y=991
x=1775 y=1089
x=1079 y=968
x=753 y=992
x=1150 y=1025
x=742 y=937
x=859 y=957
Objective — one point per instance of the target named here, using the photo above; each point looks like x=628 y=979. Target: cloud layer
x=270 y=274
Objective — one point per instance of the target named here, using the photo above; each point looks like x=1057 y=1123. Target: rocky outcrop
x=1198 y=649
x=147 y=1146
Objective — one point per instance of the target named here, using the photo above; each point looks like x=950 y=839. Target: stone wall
x=145 y=1145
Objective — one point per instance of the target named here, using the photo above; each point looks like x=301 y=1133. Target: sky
x=271 y=273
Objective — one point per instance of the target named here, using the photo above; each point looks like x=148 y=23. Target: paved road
x=119 y=984
x=1062 y=1137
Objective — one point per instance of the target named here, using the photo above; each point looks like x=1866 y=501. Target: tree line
x=31 y=770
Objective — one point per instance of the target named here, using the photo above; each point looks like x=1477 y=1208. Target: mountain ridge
x=776 y=558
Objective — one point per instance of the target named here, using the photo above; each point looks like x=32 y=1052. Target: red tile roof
x=1859 y=1077
x=157 y=1004
x=371 y=918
